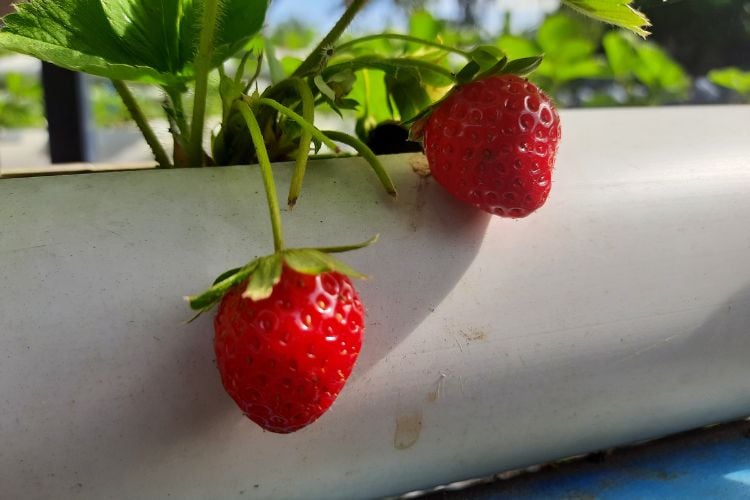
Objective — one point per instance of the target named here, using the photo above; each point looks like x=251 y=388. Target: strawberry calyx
x=485 y=61
x=263 y=274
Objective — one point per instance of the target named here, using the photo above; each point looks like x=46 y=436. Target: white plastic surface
x=620 y=311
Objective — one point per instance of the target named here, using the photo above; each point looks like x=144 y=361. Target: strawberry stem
x=308 y=113
x=175 y=100
x=314 y=61
x=140 y=119
x=406 y=38
x=266 y=171
x=368 y=156
x=371 y=61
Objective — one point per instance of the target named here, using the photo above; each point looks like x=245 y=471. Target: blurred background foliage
x=699 y=52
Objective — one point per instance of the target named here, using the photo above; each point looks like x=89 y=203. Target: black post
x=66 y=107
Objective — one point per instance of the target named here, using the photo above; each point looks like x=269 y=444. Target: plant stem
x=368 y=155
x=202 y=69
x=304 y=124
x=312 y=63
x=308 y=113
x=175 y=97
x=407 y=38
x=387 y=65
x=140 y=119
x=265 y=168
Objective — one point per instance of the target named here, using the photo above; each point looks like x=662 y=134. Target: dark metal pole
x=66 y=107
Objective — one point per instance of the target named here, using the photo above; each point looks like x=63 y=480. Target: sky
x=380 y=14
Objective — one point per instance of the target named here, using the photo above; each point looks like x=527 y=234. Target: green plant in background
x=702 y=34
x=584 y=65
x=637 y=62
x=733 y=79
x=107 y=107
x=21 y=101
x=570 y=53
x=292 y=35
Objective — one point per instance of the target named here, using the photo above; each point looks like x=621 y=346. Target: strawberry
x=285 y=358
x=492 y=143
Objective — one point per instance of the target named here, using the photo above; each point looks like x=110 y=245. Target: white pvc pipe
x=618 y=312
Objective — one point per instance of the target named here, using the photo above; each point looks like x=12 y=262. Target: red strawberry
x=284 y=359
x=492 y=143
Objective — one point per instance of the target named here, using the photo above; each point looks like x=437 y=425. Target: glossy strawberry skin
x=285 y=359
x=492 y=143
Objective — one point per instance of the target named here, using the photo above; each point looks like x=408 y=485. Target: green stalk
x=386 y=64
x=304 y=124
x=308 y=113
x=175 y=97
x=368 y=155
x=265 y=168
x=407 y=38
x=316 y=57
x=140 y=119
x=202 y=69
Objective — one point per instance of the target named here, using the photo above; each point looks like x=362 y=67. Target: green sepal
x=227 y=274
x=267 y=274
x=264 y=273
x=312 y=261
x=466 y=74
x=499 y=68
x=486 y=55
x=349 y=248
x=348 y=103
x=484 y=60
x=521 y=67
x=221 y=286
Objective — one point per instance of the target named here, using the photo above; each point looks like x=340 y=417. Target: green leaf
x=241 y=20
x=586 y=69
x=423 y=25
x=620 y=54
x=311 y=261
x=267 y=274
x=369 y=90
x=564 y=38
x=289 y=64
x=731 y=78
x=274 y=65
x=149 y=41
x=408 y=93
x=617 y=12
x=657 y=70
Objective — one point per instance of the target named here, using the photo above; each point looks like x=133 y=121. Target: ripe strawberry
x=284 y=359
x=492 y=143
